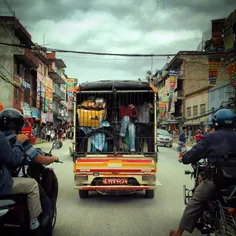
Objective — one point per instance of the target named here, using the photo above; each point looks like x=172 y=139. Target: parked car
x=164 y=138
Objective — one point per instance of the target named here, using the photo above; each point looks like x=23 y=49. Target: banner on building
x=70 y=103
x=49 y=82
x=228 y=32
x=35 y=112
x=17 y=81
x=25 y=85
x=70 y=85
x=230 y=64
x=214 y=63
x=173 y=83
x=49 y=117
x=43 y=117
x=162 y=109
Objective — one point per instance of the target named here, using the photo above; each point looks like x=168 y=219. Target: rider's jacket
x=30 y=154
x=212 y=146
x=10 y=157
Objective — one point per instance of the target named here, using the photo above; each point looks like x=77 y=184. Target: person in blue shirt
x=182 y=137
x=11 y=124
x=213 y=147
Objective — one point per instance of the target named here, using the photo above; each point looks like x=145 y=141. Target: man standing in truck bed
x=128 y=115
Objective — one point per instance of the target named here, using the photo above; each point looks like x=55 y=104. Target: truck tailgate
x=102 y=163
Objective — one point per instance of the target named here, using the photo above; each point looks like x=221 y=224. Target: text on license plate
x=115 y=181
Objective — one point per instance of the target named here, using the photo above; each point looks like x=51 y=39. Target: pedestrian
x=182 y=148
x=48 y=135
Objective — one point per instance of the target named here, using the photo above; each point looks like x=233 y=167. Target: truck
x=114 y=150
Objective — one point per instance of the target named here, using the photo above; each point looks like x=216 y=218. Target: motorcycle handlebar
x=47 y=154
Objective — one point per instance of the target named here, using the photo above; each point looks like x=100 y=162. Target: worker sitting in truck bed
x=128 y=115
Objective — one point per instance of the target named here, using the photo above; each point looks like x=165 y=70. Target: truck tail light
x=81 y=178
x=149 y=177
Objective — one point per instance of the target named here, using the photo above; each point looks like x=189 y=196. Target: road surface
x=130 y=215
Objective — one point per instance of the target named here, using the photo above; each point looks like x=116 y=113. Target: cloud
x=120 y=26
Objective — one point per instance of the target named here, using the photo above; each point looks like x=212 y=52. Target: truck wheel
x=149 y=194
x=83 y=193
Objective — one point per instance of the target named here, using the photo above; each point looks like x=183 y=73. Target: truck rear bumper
x=112 y=187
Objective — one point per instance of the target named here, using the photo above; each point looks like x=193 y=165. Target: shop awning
x=192 y=123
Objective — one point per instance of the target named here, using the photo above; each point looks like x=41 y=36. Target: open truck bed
x=113 y=169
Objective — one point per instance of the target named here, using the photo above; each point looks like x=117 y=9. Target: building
x=57 y=74
x=18 y=67
x=196 y=107
x=220 y=96
x=31 y=80
x=186 y=75
x=71 y=84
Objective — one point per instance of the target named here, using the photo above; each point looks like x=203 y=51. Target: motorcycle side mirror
x=57 y=144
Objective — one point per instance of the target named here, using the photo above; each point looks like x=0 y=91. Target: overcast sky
x=119 y=26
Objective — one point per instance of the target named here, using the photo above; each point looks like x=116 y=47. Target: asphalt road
x=129 y=215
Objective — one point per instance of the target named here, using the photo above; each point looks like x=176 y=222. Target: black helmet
x=224 y=118
x=11 y=119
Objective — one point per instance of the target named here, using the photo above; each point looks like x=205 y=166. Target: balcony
x=57 y=79
x=57 y=93
x=28 y=59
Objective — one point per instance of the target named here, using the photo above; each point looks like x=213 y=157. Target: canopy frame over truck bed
x=138 y=168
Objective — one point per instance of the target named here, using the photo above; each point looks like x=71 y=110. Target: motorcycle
x=14 y=216
x=219 y=216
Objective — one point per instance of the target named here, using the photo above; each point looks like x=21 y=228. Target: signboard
x=70 y=103
x=17 y=80
x=213 y=65
x=70 y=85
x=48 y=83
x=35 y=112
x=25 y=85
x=43 y=117
x=27 y=112
x=173 y=84
x=230 y=64
x=49 y=117
x=162 y=109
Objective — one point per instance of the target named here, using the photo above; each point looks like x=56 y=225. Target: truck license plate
x=120 y=181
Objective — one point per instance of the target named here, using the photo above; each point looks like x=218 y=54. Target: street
x=121 y=215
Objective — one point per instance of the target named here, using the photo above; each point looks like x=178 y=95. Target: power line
x=9 y=7
x=100 y=53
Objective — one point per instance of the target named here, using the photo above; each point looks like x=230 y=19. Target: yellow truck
x=115 y=137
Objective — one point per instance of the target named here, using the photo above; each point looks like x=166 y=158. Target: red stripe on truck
x=113 y=170
x=107 y=160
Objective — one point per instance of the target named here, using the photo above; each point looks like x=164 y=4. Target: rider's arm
x=33 y=155
x=45 y=160
x=10 y=156
x=197 y=152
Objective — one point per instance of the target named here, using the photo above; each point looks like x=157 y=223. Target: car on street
x=164 y=138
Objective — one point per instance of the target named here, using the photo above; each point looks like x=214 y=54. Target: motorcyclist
x=11 y=124
x=213 y=146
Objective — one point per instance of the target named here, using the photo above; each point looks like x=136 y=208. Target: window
x=202 y=109
x=189 y=111
x=17 y=94
x=45 y=71
x=195 y=110
x=27 y=97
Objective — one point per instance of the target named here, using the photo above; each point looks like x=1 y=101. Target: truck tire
x=149 y=193
x=83 y=193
